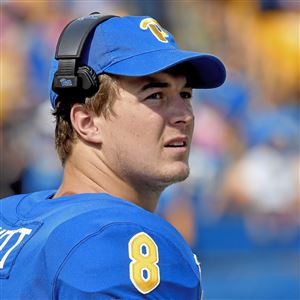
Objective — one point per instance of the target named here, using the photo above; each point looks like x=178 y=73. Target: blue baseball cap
x=139 y=46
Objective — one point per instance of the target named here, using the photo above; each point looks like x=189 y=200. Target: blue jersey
x=91 y=246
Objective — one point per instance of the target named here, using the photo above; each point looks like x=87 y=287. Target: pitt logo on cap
x=155 y=28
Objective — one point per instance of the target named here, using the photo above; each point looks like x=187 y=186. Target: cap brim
x=208 y=70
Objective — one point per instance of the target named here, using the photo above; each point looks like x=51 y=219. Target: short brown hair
x=100 y=103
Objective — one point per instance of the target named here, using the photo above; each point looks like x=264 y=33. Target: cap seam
x=129 y=57
x=103 y=37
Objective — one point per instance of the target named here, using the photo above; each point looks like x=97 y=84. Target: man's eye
x=156 y=96
x=186 y=95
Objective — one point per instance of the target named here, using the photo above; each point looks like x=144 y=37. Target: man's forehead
x=164 y=77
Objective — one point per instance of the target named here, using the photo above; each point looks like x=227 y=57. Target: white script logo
x=11 y=239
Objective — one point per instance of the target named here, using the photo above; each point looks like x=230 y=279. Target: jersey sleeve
x=125 y=261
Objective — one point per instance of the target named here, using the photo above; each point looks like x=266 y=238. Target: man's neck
x=80 y=179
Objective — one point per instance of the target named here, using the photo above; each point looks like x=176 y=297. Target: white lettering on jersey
x=200 y=275
x=6 y=236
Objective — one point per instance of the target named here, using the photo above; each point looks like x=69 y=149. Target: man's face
x=146 y=140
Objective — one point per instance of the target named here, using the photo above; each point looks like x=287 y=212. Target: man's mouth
x=179 y=142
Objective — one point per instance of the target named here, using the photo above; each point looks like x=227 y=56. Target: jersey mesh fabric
x=78 y=248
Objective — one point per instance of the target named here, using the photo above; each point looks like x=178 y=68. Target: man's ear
x=85 y=124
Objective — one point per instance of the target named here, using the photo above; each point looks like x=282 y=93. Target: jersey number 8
x=143 y=269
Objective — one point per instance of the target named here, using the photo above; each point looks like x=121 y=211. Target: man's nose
x=181 y=111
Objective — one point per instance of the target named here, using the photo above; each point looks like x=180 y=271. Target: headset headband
x=74 y=35
x=71 y=79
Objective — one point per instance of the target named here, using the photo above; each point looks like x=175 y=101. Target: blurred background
x=239 y=209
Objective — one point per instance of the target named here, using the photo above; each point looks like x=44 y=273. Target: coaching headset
x=72 y=79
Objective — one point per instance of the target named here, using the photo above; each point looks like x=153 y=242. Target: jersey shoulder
x=123 y=251
x=9 y=206
x=15 y=232
x=97 y=245
x=14 y=208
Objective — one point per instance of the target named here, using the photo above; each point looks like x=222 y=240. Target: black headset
x=72 y=80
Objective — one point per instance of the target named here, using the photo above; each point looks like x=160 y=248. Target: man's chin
x=167 y=176
x=177 y=174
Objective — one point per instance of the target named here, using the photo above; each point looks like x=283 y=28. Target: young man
x=121 y=143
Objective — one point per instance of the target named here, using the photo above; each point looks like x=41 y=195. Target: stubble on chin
x=177 y=177
x=168 y=178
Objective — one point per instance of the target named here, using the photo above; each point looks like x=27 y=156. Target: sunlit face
x=146 y=141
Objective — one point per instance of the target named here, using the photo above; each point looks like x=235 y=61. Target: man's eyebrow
x=154 y=84
x=158 y=84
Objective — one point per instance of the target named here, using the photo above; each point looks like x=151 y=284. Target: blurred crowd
x=245 y=158
x=243 y=191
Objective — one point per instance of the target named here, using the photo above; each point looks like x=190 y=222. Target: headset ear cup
x=89 y=80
